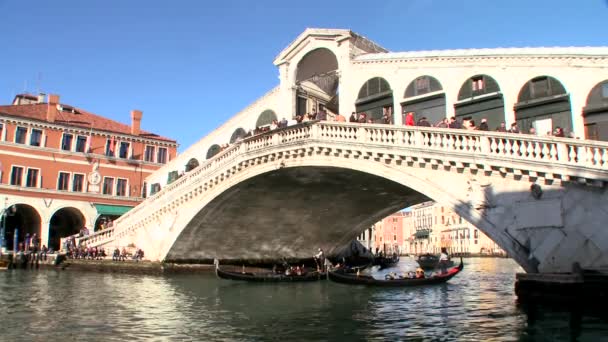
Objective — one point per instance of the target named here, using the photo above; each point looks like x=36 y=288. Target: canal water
x=477 y=305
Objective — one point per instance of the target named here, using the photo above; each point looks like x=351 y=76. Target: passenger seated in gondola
x=391 y=276
x=419 y=273
x=411 y=275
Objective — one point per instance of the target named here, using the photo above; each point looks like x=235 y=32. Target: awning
x=114 y=210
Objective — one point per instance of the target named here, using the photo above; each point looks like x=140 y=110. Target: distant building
x=426 y=228
x=64 y=169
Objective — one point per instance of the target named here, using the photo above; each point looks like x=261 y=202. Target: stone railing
x=575 y=158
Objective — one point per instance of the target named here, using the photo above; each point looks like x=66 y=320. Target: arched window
x=431 y=106
x=192 y=164
x=375 y=100
x=266 y=118
x=480 y=98
x=544 y=104
x=238 y=133
x=213 y=150
x=595 y=113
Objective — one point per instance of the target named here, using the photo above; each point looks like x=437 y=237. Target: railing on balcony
x=540 y=151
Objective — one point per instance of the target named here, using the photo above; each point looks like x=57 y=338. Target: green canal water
x=477 y=305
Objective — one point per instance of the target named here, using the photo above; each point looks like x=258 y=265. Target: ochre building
x=64 y=169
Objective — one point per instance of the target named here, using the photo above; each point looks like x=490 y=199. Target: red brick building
x=63 y=168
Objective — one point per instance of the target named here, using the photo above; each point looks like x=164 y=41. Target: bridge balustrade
x=544 y=151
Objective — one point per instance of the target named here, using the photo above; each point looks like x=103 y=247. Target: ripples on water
x=477 y=305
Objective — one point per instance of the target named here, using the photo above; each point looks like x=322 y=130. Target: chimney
x=41 y=97
x=51 y=109
x=135 y=121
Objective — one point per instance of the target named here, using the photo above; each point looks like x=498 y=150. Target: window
x=20 y=134
x=1 y=131
x=477 y=83
x=81 y=144
x=144 y=190
x=108 y=185
x=63 y=181
x=161 y=158
x=605 y=90
x=121 y=187
x=149 y=155
x=394 y=237
x=422 y=84
x=66 y=142
x=110 y=147
x=36 y=137
x=31 y=180
x=476 y=233
x=78 y=183
x=16 y=175
x=539 y=87
x=124 y=150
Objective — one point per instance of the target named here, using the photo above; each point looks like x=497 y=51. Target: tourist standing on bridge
x=483 y=126
x=409 y=119
x=353 y=117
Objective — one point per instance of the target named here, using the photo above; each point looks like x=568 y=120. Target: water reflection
x=478 y=304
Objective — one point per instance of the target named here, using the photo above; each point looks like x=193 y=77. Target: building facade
x=64 y=169
x=426 y=228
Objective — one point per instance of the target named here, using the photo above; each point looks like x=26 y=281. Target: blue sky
x=191 y=65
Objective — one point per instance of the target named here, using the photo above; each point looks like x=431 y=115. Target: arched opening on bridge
x=595 y=113
x=266 y=118
x=424 y=97
x=22 y=220
x=65 y=222
x=480 y=98
x=376 y=101
x=213 y=150
x=192 y=164
x=544 y=104
x=237 y=135
x=317 y=81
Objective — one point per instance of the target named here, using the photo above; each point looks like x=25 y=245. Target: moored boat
x=345 y=278
x=267 y=276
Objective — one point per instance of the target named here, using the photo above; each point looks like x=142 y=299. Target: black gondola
x=267 y=277
x=430 y=261
x=385 y=262
x=341 y=277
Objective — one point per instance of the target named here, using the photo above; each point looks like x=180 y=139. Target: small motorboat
x=267 y=276
x=430 y=261
x=347 y=278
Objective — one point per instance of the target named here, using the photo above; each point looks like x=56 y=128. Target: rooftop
x=70 y=116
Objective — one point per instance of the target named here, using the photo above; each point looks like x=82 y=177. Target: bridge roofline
x=337 y=35
x=572 y=51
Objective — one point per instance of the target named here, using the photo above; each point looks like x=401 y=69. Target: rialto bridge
x=320 y=184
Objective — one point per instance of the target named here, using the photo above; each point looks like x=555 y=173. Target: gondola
x=430 y=261
x=385 y=262
x=341 y=277
x=267 y=277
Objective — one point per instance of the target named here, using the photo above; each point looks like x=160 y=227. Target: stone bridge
x=286 y=192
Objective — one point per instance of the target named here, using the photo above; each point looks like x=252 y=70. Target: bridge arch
x=375 y=99
x=393 y=190
x=317 y=81
x=213 y=150
x=544 y=104
x=424 y=96
x=65 y=222
x=23 y=217
x=595 y=112
x=265 y=118
x=480 y=97
x=238 y=133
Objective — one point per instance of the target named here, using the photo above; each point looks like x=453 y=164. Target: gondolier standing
x=444 y=260
x=320 y=259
